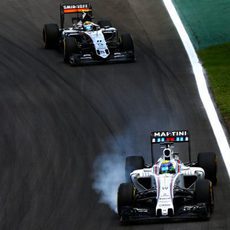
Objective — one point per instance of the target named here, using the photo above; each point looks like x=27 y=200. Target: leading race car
x=167 y=189
x=84 y=41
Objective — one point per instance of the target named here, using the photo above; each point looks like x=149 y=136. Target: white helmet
x=167 y=154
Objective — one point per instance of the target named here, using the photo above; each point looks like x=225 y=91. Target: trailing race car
x=167 y=189
x=84 y=41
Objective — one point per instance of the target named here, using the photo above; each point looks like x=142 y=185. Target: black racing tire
x=127 y=43
x=208 y=162
x=204 y=193
x=50 y=36
x=125 y=196
x=104 y=23
x=132 y=163
x=70 y=48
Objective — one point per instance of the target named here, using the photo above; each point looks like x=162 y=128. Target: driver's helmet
x=88 y=26
x=167 y=167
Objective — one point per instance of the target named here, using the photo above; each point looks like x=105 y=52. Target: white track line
x=202 y=86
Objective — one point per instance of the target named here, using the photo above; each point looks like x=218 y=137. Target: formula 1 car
x=167 y=189
x=84 y=41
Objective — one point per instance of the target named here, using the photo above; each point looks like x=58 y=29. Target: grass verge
x=216 y=61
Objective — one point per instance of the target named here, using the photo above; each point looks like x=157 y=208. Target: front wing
x=186 y=212
x=85 y=59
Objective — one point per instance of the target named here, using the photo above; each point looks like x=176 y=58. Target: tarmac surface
x=56 y=120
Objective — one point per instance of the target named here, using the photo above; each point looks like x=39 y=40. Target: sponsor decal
x=142 y=210
x=165 y=188
x=79 y=6
x=164 y=199
x=170 y=136
x=76 y=8
x=164 y=205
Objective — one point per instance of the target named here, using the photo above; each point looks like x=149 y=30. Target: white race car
x=167 y=189
x=85 y=41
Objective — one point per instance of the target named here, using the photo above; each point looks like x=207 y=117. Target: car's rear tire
x=204 y=193
x=104 y=23
x=132 y=163
x=125 y=196
x=51 y=35
x=207 y=161
x=70 y=48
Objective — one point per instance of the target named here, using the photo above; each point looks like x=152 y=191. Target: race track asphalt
x=55 y=120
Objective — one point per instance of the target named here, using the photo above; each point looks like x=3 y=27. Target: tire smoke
x=109 y=173
x=109 y=166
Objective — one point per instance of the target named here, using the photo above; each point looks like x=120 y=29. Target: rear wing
x=75 y=8
x=169 y=137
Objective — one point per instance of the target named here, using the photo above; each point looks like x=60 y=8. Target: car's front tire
x=125 y=196
x=204 y=193
x=70 y=48
x=127 y=43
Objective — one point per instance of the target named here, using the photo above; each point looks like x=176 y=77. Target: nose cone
x=104 y=53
